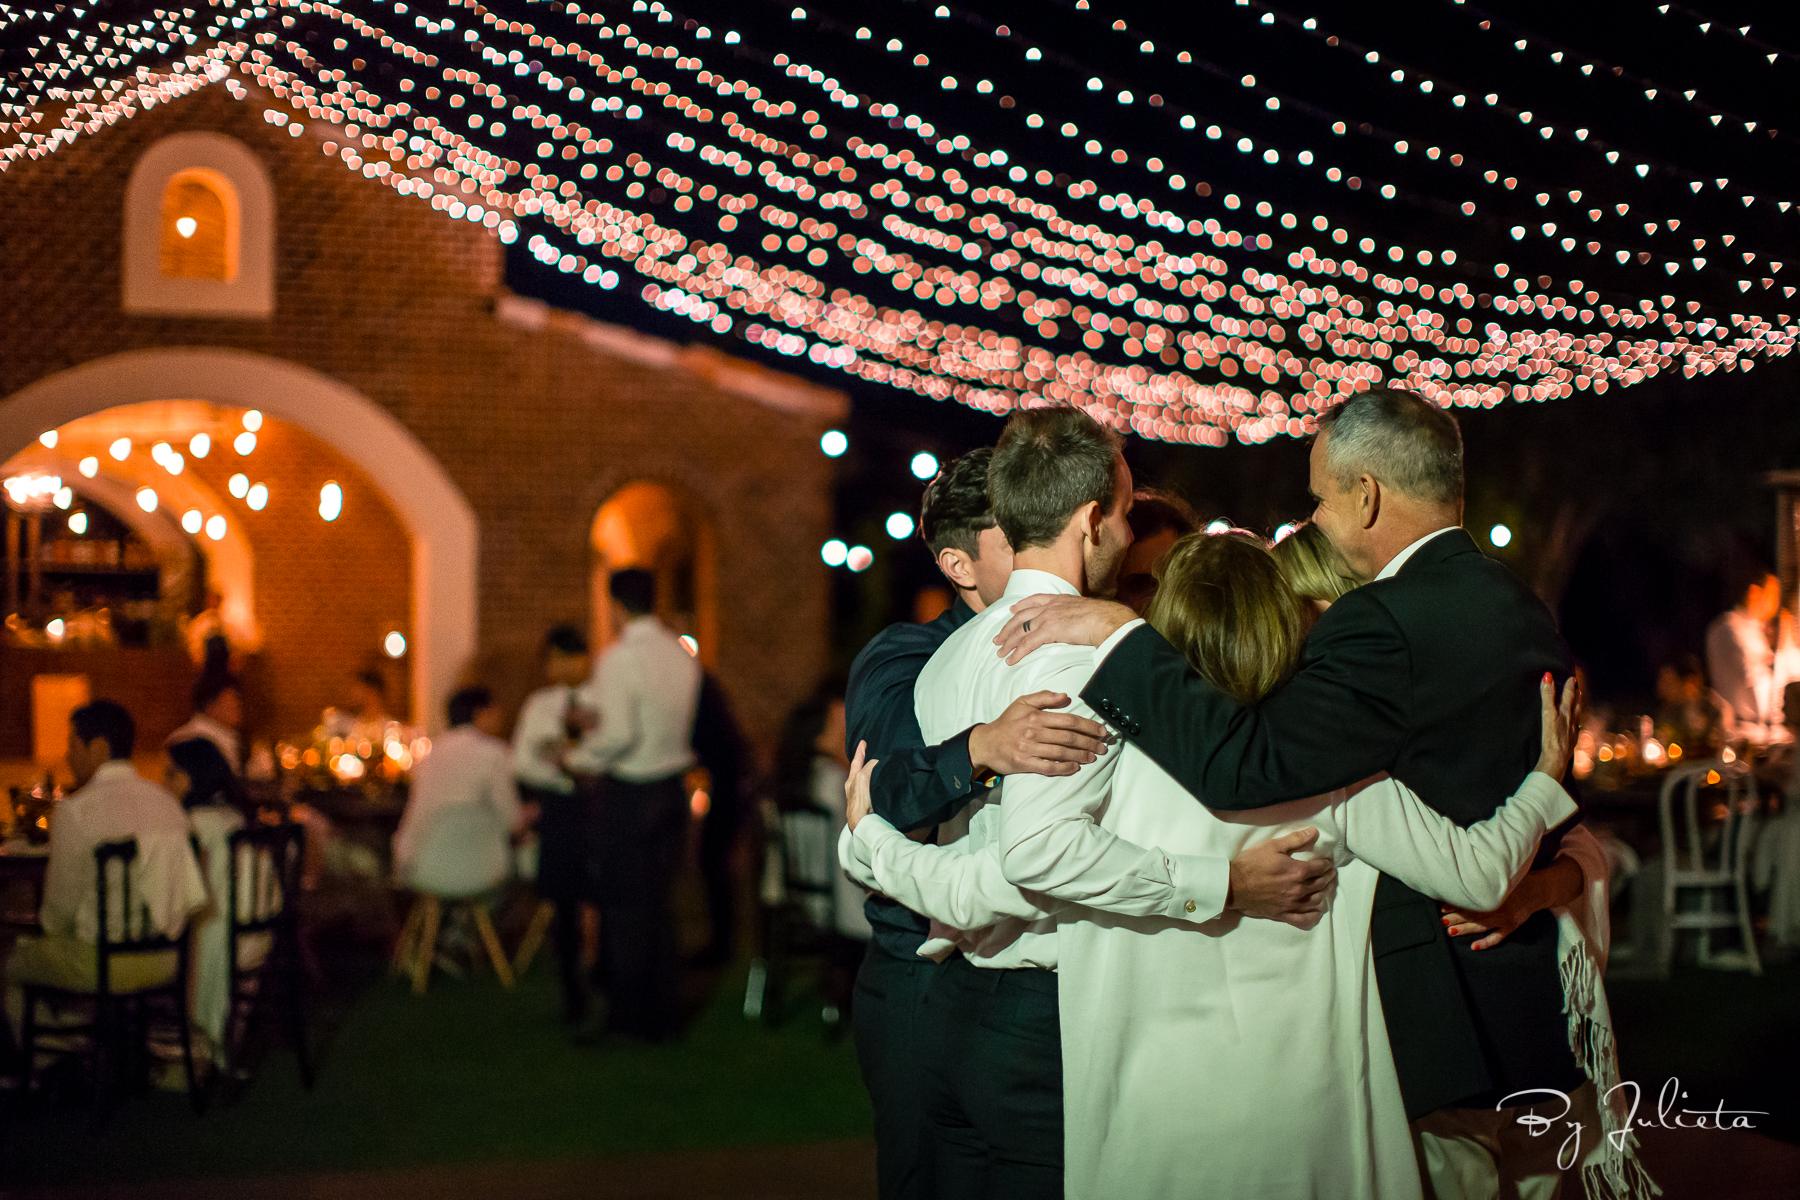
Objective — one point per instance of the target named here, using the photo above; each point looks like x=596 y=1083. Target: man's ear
x=1369 y=498
x=957 y=567
x=1091 y=517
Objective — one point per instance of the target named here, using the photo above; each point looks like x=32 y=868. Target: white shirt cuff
x=1110 y=644
x=1202 y=885
x=871 y=830
x=1550 y=797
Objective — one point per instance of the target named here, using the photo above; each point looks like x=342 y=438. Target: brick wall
x=535 y=427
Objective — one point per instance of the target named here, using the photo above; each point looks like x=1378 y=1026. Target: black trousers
x=992 y=1046
x=889 y=995
x=640 y=833
x=566 y=879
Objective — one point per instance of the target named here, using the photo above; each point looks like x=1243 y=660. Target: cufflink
x=1191 y=906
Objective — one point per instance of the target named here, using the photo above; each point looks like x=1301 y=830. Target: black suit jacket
x=1432 y=676
x=915 y=786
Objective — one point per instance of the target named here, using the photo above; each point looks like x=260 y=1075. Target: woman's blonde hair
x=1310 y=564
x=1222 y=602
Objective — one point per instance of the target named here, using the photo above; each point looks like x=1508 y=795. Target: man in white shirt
x=455 y=838
x=218 y=718
x=990 y=1030
x=1748 y=669
x=646 y=690
x=112 y=803
x=550 y=722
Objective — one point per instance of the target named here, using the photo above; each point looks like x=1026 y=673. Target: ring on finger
x=1028 y=627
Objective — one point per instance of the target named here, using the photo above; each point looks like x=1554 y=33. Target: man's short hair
x=1402 y=439
x=105 y=719
x=635 y=588
x=210 y=687
x=1154 y=510
x=1050 y=462
x=955 y=508
x=566 y=639
x=467 y=702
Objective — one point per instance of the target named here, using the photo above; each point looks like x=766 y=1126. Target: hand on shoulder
x=1076 y=620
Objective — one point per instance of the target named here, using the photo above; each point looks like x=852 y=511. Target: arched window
x=199 y=230
x=199 y=226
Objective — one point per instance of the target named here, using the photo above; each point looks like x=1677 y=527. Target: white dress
x=1239 y=1059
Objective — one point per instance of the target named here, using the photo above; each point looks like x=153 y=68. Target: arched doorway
x=438 y=521
x=650 y=525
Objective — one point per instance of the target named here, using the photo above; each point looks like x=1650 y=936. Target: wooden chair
x=1708 y=865
x=416 y=950
x=117 y=1034
x=533 y=941
x=798 y=898
x=266 y=864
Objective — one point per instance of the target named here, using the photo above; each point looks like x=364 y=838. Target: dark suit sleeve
x=1338 y=719
x=915 y=785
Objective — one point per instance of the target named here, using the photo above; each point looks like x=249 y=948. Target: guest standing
x=1158 y=520
x=646 y=690
x=549 y=725
x=719 y=745
x=1750 y=652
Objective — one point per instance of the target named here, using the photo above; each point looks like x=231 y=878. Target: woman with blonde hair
x=1310 y=565
x=1237 y=1059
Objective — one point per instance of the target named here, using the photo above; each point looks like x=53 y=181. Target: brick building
x=493 y=457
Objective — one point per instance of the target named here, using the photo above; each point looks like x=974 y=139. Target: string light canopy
x=1082 y=208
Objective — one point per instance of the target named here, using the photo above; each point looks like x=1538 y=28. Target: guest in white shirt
x=646 y=691
x=1752 y=655
x=112 y=803
x=551 y=722
x=455 y=838
x=218 y=717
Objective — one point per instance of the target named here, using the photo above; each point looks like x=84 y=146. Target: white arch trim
x=437 y=517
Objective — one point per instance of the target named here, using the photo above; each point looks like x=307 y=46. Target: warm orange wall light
x=199 y=226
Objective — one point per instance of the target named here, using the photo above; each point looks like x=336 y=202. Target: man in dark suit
x=916 y=787
x=1429 y=671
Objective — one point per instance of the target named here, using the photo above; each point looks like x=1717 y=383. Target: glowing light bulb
x=244 y=443
x=193 y=520
x=238 y=484
x=834 y=443
x=899 y=526
x=257 y=497
x=394 y=644
x=89 y=466
x=1501 y=536
x=253 y=420
x=834 y=552
x=690 y=644
x=215 y=528
x=120 y=450
x=924 y=465
x=146 y=499
x=48 y=439
x=331 y=501
x=78 y=523
x=860 y=559
x=186 y=226
x=173 y=463
x=200 y=445
x=1219 y=526
x=55 y=629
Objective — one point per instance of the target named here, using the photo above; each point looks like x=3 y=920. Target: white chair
x=1712 y=868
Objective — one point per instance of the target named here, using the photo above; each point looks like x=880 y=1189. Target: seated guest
x=1158 y=520
x=213 y=797
x=455 y=838
x=218 y=718
x=366 y=717
x=112 y=803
